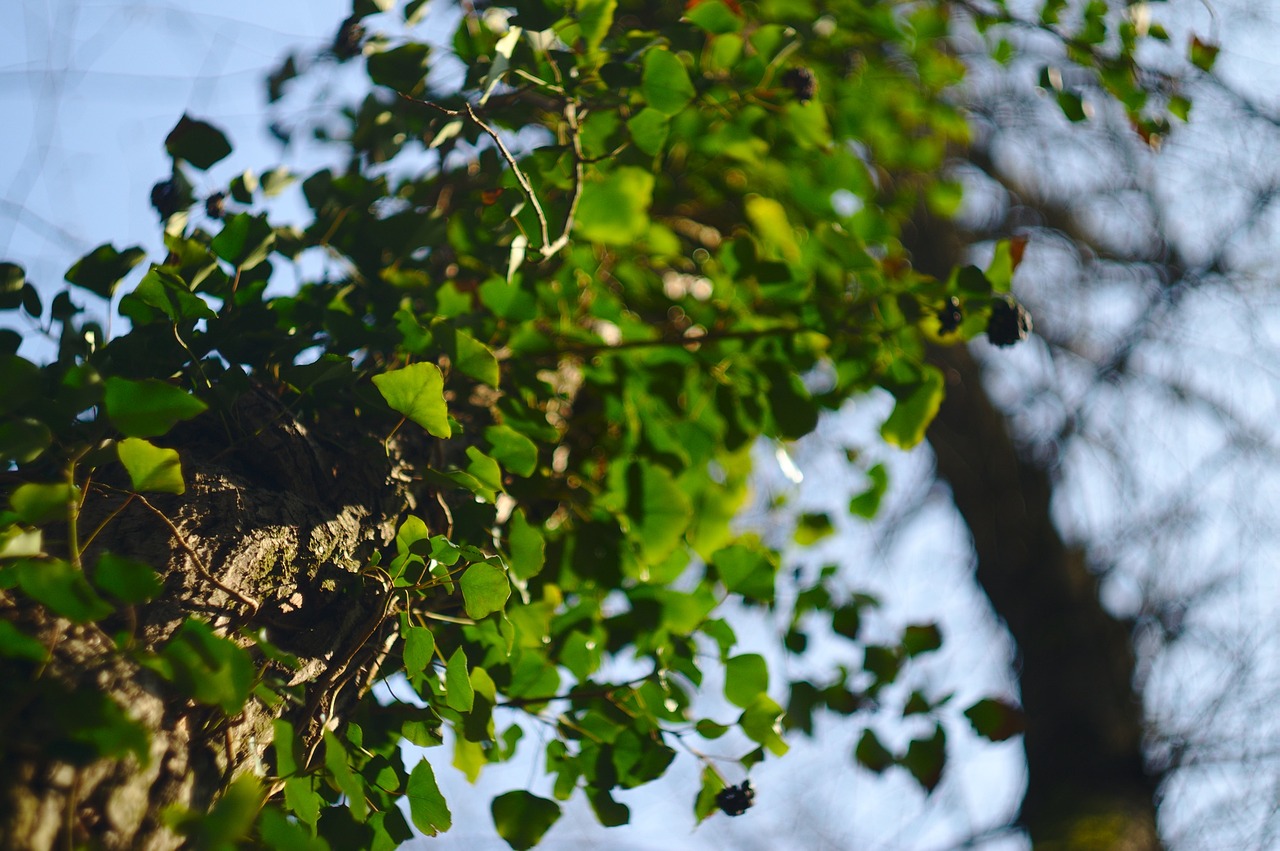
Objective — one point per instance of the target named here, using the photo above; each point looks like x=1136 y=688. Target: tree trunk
x=1087 y=784
x=271 y=535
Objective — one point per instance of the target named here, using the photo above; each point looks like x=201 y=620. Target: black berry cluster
x=347 y=42
x=215 y=206
x=1009 y=323
x=736 y=800
x=950 y=316
x=166 y=197
x=802 y=83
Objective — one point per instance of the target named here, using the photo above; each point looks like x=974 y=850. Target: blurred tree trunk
x=1088 y=787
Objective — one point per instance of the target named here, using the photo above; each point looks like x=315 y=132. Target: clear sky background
x=90 y=88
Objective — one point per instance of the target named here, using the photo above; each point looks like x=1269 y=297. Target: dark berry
x=215 y=206
x=802 y=83
x=950 y=316
x=736 y=800
x=1009 y=323
x=346 y=43
x=166 y=197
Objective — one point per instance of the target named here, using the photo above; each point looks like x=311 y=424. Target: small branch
x=201 y=567
x=520 y=177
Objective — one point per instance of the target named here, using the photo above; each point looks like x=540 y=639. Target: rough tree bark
x=273 y=533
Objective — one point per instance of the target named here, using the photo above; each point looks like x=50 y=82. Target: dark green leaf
x=197 y=142
x=401 y=68
x=485 y=589
x=23 y=440
x=100 y=270
x=921 y=638
x=244 y=241
x=867 y=503
x=419 y=649
x=995 y=719
x=811 y=528
x=208 y=667
x=512 y=450
x=925 y=759
x=528 y=549
x=36 y=503
x=16 y=644
x=871 y=754
x=522 y=819
x=459 y=693
x=746 y=678
x=127 y=580
x=915 y=408
x=62 y=587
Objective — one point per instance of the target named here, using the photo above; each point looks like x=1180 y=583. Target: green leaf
x=351 y=784
x=280 y=834
x=100 y=270
x=614 y=209
x=769 y=219
x=594 y=19
x=921 y=638
x=151 y=468
x=417 y=391
x=164 y=291
x=513 y=450
x=285 y=744
x=649 y=129
x=127 y=580
x=746 y=678
x=748 y=569
x=714 y=17
x=244 y=241
x=812 y=527
x=428 y=809
x=231 y=818
x=36 y=503
x=197 y=142
x=13 y=280
x=16 y=644
x=712 y=784
x=16 y=542
x=467 y=354
x=401 y=68
x=527 y=546
x=925 y=759
x=762 y=722
x=996 y=720
x=867 y=503
x=914 y=410
x=62 y=587
x=485 y=589
x=148 y=408
x=665 y=82
x=1203 y=54
x=23 y=440
x=458 y=692
x=302 y=799
x=872 y=755
x=209 y=668
x=659 y=509
x=419 y=649
x=523 y=818
x=608 y=812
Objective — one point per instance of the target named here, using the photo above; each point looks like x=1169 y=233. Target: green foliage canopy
x=693 y=247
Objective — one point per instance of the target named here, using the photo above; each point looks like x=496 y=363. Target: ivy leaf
x=401 y=68
x=659 y=508
x=209 y=668
x=100 y=270
x=197 y=142
x=164 y=291
x=419 y=648
x=23 y=440
x=925 y=759
x=512 y=450
x=528 y=549
x=614 y=210
x=665 y=82
x=485 y=589
x=872 y=755
x=62 y=587
x=594 y=19
x=427 y=807
x=914 y=410
x=151 y=468
x=649 y=129
x=761 y=721
x=522 y=818
x=417 y=391
x=712 y=784
x=148 y=408
x=867 y=503
x=126 y=579
x=351 y=784
x=921 y=638
x=36 y=503
x=244 y=241
x=747 y=569
x=746 y=678
x=458 y=692
x=996 y=720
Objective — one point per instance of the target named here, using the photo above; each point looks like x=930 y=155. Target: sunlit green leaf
x=151 y=468
x=148 y=408
x=417 y=392
x=427 y=807
x=485 y=589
